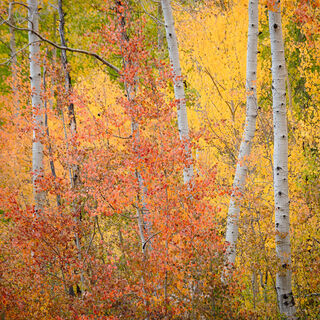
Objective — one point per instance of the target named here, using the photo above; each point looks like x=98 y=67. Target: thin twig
x=144 y=244
x=16 y=53
x=90 y=243
x=98 y=226
x=150 y=15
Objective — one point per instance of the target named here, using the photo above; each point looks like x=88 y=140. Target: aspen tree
x=37 y=107
x=178 y=84
x=130 y=88
x=248 y=134
x=280 y=165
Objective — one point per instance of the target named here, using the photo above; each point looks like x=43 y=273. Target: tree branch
x=16 y=53
x=89 y=53
x=144 y=244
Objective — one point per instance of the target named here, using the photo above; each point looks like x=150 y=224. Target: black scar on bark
x=288 y=299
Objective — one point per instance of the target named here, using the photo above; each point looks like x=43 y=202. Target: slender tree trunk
x=52 y=166
x=178 y=84
x=72 y=118
x=141 y=207
x=249 y=131
x=14 y=62
x=68 y=88
x=130 y=88
x=37 y=107
x=160 y=30
x=280 y=163
x=74 y=179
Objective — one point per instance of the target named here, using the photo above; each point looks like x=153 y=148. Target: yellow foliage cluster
x=214 y=64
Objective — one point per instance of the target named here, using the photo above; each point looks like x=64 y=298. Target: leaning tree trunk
x=37 y=107
x=249 y=131
x=68 y=87
x=280 y=165
x=178 y=84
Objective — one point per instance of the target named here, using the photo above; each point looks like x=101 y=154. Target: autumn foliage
x=130 y=240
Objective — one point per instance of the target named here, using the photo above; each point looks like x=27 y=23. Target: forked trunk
x=248 y=135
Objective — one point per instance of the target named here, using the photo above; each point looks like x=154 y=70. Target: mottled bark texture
x=178 y=84
x=248 y=135
x=280 y=165
x=37 y=105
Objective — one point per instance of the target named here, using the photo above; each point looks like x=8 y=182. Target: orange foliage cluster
x=110 y=274
x=130 y=240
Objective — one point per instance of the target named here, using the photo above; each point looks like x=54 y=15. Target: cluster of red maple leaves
x=129 y=240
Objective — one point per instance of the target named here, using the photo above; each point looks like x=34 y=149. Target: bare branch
x=16 y=53
x=89 y=53
x=316 y=294
x=150 y=15
x=18 y=3
x=144 y=244
x=119 y=137
x=53 y=6
x=4 y=44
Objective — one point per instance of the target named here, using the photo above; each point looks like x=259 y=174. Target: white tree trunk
x=280 y=163
x=249 y=131
x=141 y=206
x=37 y=108
x=142 y=210
x=178 y=84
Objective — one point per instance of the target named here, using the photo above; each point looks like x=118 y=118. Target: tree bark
x=64 y=59
x=178 y=85
x=37 y=106
x=72 y=123
x=52 y=165
x=280 y=169
x=248 y=135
